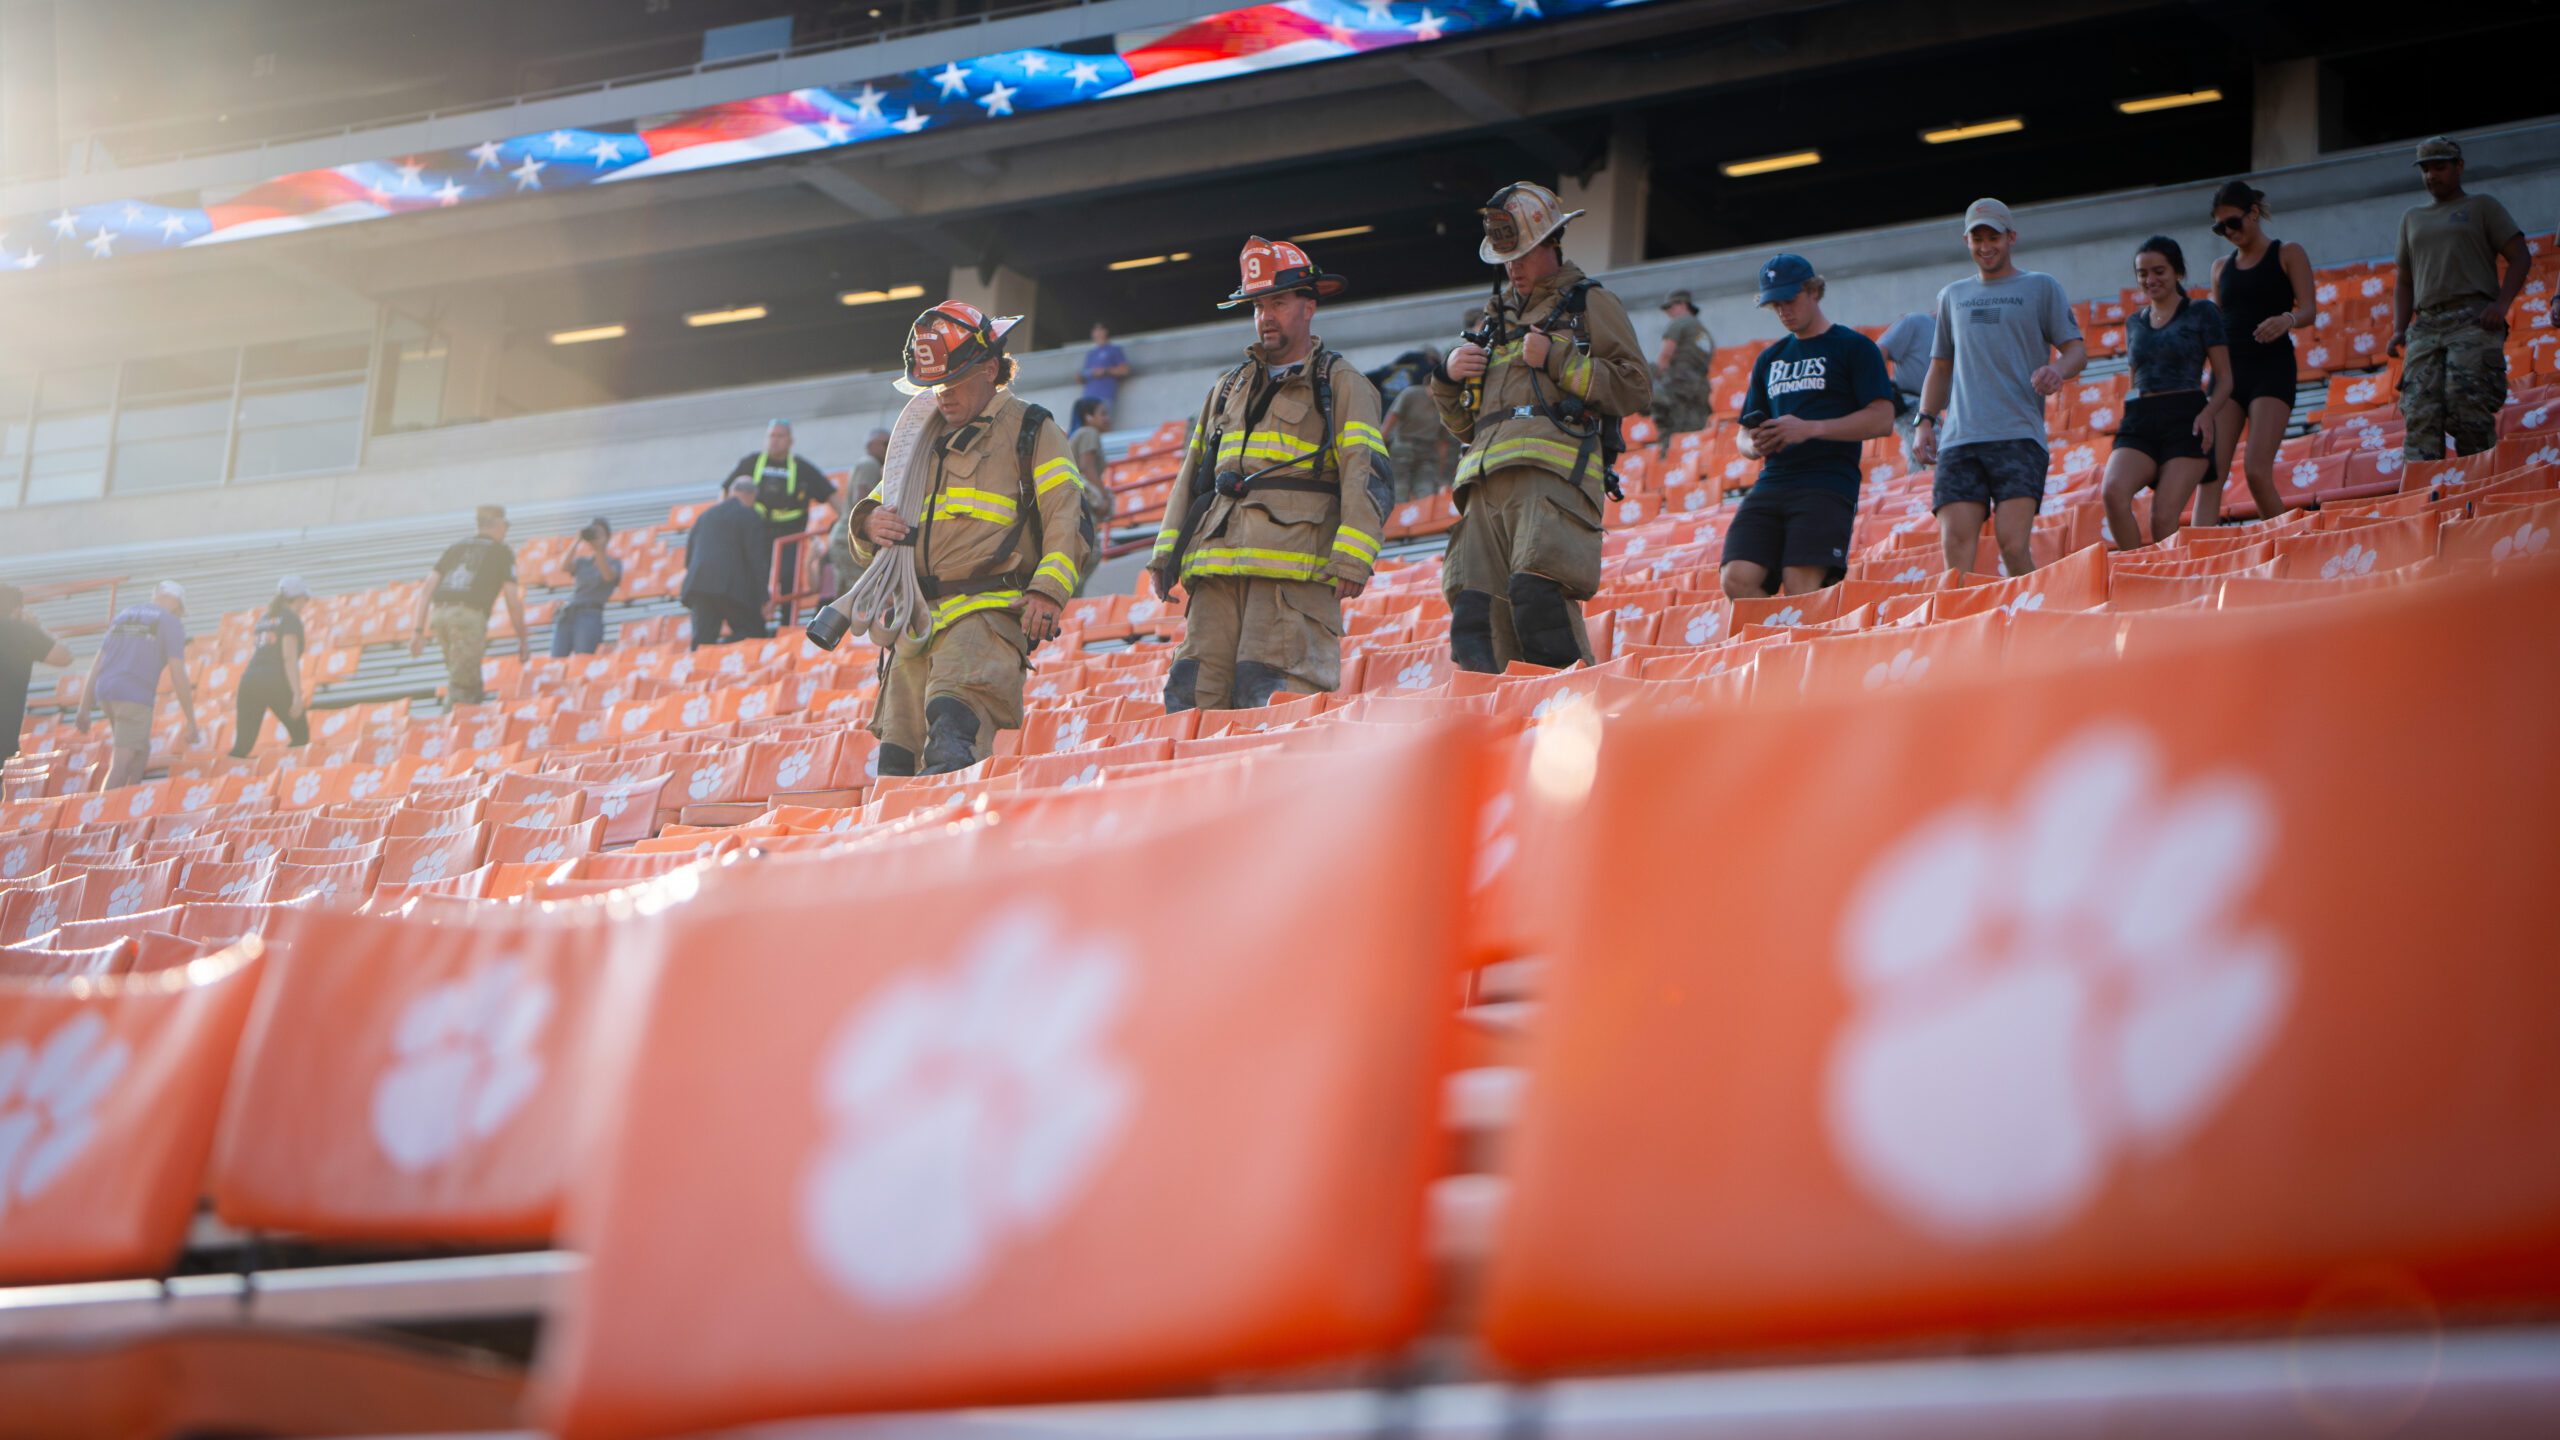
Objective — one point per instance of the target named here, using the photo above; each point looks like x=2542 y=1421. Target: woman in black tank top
x=2264 y=290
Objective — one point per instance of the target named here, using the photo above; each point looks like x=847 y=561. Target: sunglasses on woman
x=2232 y=226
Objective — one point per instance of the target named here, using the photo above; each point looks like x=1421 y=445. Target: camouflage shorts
x=2452 y=381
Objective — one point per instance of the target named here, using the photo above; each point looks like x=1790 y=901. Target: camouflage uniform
x=2453 y=380
x=1681 y=402
x=1418 y=444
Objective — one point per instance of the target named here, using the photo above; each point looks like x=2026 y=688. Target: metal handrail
x=491 y=107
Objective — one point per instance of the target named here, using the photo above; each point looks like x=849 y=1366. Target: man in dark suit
x=728 y=560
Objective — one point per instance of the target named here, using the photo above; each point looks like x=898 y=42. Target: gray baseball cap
x=1987 y=211
x=2438 y=147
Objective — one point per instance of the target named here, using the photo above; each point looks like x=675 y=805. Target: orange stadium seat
x=2022 y=1092
x=408 y=1081
x=1110 y=1066
x=132 y=1073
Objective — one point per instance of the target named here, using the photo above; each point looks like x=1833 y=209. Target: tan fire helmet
x=1518 y=219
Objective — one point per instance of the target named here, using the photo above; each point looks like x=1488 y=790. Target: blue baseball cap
x=1783 y=276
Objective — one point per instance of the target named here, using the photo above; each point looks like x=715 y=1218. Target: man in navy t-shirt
x=1815 y=396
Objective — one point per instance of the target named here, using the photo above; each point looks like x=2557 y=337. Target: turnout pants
x=462 y=633
x=976 y=662
x=1524 y=558
x=1245 y=640
x=1682 y=403
x=2453 y=380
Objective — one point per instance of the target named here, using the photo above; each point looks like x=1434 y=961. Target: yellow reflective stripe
x=986 y=505
x=1056 y=566
x=1244 y=560
x=959 y=605
x=1365 y=435
x=1521 y=449
x=1577 y=376
x=1356 y=545
x=1165 y=538
x=1055 y=473
x=1266 y=445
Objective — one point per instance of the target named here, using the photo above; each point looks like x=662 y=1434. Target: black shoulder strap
x=1026 y=511
x=1320 y=370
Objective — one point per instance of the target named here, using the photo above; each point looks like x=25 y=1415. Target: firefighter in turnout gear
x=1276 y=517
x=1536 y=395
x=998 y=546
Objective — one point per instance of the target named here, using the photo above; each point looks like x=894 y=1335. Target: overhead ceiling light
x=874 y=297
x=592 y=332
x=1141 y=263
x=1346 y=230
x=731 y=316
x=1792 y=160
x=1976 y=131
x=2148 y=103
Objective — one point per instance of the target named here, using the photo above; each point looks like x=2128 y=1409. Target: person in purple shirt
x=124 y=680
x=1105 y=366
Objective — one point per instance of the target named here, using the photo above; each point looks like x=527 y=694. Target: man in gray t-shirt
x=2006 y=339
x=1906 y=344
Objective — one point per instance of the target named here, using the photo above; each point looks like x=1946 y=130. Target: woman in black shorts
x=2169 y=421
x=2264 y=287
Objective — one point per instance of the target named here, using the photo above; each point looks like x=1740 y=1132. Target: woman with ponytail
x=2264 y=289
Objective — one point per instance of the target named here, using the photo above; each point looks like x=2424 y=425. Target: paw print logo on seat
x=1906 y=667
x=2361 y=392
x=754 y=705
x=696 y=711
x=430 y=866
x=44 y=915
x=306 y=787
x=366 y=784
x=464 y=1061
x=1696 y=499
x=793 y=769
x=2348 y=563
x=969 y=1104
x=2529 y=539
x=17 y=860
x=1416 y=676
x=2305 y=475
x=590 y=730
x=1703 y=627
x=1071 y=732
x=1791 y=615
x=2032 y=600
x=1911 y=574
x=125 y=899
x=2044 y=995
x=549 y=852
x=705 y=781
x=197 y=797
x=49 y=1094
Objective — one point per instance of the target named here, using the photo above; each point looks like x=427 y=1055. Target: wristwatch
x=1929 y=418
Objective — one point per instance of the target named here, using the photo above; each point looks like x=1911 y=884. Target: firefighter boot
x=1471 y=632
x=951 y=736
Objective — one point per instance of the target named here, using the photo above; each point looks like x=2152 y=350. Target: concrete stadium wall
x=2343 y=208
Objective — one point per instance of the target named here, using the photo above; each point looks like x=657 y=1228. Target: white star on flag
x=953 y=80
x=835 y=130
x=866 y=106
x=1085 y=72
x=1525 y=10
x=529 y=174
x=132 y=214
x=66 y=224
x=608 y=150
x=561 y=140
x=909 y=123
x=486 y=152
x=999 y=101
x=1379 y=14
x=172 y=226
x=102 y=244
x=30 y=260
x=377 y=195
x=1340 y=34
x=1427 y=29
x=1034 y=63
x=409 y=175
x=450 y=192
